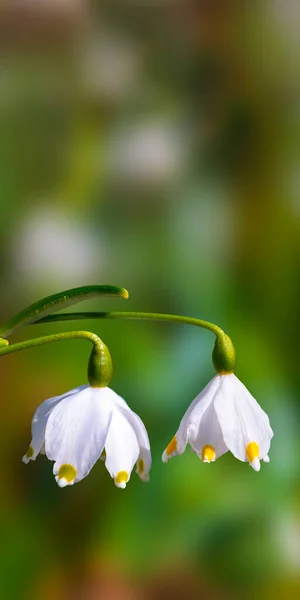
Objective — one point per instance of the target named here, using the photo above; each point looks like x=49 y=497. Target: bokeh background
x=155 y=146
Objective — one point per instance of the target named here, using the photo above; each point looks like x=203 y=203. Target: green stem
x=99 y=367
x=48 y=339
x=223 y=352
x=133 y=315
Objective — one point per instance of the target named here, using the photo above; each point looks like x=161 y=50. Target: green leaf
x=58 y=301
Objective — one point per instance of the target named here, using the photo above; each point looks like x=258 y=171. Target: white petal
x=192 y=416
x=39 y=423
x=206 y=437
x=144 y=458
x=122 y=448
x=242 y=420
x=76 y=432
x=245 y=394
x=255 y=464
x=116 y=399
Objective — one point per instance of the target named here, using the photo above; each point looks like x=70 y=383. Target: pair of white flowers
x=76 y=429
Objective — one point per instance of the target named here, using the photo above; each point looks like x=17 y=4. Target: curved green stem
x=223 y=352
x=133 y=315
x=99 y=367
x=49 y=339
x=100 y=363
x=58 y=301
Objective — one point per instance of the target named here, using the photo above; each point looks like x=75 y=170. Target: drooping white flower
x=224 y=416
x=75 y=429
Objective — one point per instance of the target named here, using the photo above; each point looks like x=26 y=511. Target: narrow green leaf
x=56 y=302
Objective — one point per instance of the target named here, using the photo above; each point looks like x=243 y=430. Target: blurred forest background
x=152 y=145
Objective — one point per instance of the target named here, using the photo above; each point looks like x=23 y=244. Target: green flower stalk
x=223 y=353
x=100 y=366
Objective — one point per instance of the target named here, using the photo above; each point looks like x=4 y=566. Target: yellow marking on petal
x=30 y=452
x=103 y=455
x=208 y=453
x=67 y=472
x=141 y=467
x=122 y=477
x=252 y=451
x=172 y=446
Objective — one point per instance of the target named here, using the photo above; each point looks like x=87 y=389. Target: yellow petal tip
x=252 y=451
x=121 y=479
x=170 y=449
x=208 y=453
x=141 y=467
x=29 y=455
x=66 y=475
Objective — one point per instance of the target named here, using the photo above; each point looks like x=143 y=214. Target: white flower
x=75 y=429
x=52 y=244
x=224 y=416
x=148 y=151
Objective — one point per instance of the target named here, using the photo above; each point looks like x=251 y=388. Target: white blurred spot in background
x=287 y=531
x=288 y=15
x=52 y=249
x=109 y=65
x=150 y=152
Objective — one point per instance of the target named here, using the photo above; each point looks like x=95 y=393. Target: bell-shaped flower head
x=75 y=429
x=224 y=416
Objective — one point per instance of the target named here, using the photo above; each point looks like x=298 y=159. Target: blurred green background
x=155 y=146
